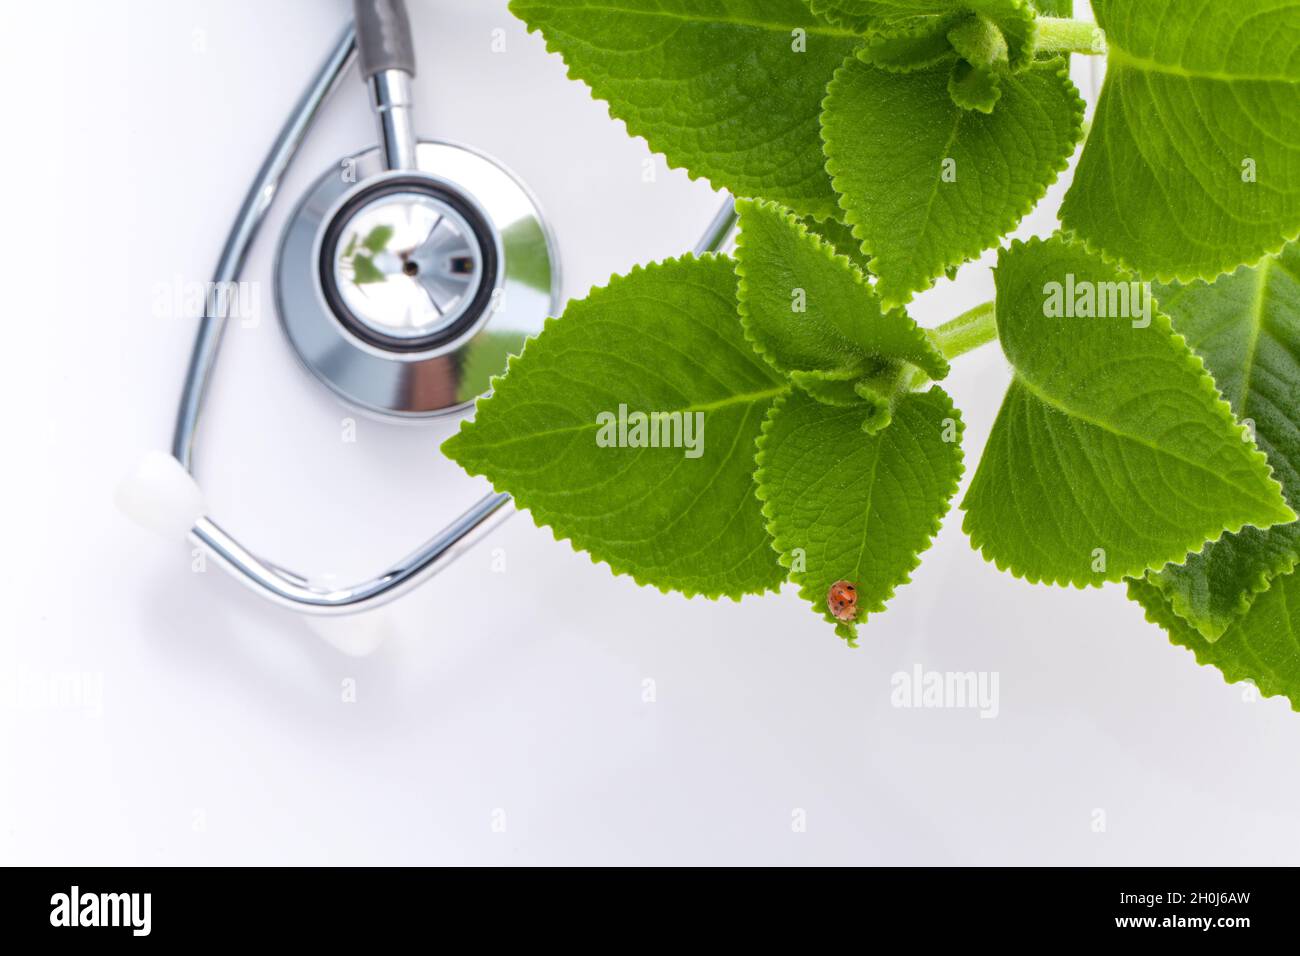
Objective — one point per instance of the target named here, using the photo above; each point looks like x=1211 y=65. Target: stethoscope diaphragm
x=405 y=290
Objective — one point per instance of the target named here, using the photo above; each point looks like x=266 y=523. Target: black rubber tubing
x=383 y=37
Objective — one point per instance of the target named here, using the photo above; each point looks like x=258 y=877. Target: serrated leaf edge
x=1156 y=274
x=1207 y=385
x=1266 y=685
x=908 y=31
x=940 y=365
x=824 y=209
x=1260 y=583
x=783 y=546
x=1113 y=259
x=522 y=502
x=834 y=170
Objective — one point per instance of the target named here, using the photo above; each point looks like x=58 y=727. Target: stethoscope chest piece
x=405 y=290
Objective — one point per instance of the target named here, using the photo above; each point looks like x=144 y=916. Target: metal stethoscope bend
x=278 y=584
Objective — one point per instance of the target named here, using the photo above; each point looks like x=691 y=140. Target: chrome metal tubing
x=248 y=222
x=719 y=229
x=295 y=592
x=390 y=97
x=277 y=584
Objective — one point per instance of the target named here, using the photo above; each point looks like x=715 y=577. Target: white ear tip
x=357 y=635
x=161 y=495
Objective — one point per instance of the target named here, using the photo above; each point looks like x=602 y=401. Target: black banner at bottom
x=338 y=906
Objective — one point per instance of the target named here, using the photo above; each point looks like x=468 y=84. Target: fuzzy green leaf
x=1002 y=36
x=806 y=308
x=723 y=88
x=976 y=41
x=843 y=505
x=662 y=339
x=840 y=235
x=913 y=46
x=831 y=386
x=884 y=15
x=928 y=185
x=1113 y=452
x=1246 y=326
x=1262 y=646
x=1193 y=163
x=974 y=87
x=875 y=15
x=847 y=387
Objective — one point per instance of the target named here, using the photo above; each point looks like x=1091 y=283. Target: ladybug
x=842 y=600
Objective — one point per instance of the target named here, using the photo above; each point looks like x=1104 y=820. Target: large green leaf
x=723 y=88
x=926 y=184
x=666 y=339
x=1262 y=646
x=806 y=308
x=1193 y=163
x=1246 y=326
x=843 y=505
x=1113 y=452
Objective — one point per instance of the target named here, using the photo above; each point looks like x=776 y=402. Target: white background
x=222 y=736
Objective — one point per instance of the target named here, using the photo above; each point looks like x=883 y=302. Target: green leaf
x=975 y=40
x=1113 y=452
x=974 y=87
x=806 y=308
x=1002 y=35
x=874 y=15
x=912 y=46
x=1246 y=326
x=1192 y=166
x=928 y=185
x=831 y=386
x=847 y=387
x=720 y=87
x=664 y=338
x=840 y=235
x=843 y=505
x=1262 y=646
x=1010 y=22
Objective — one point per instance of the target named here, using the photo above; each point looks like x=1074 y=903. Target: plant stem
x=1059 y=35
x=970 y=330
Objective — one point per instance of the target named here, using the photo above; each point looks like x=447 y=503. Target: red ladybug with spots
x=842 y=600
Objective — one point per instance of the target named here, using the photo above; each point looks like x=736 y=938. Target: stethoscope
x=403 y=279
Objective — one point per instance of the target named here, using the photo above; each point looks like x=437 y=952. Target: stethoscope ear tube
x=386 y=59
x=383 y=37
x=163 y=495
